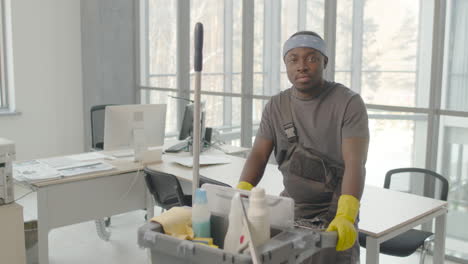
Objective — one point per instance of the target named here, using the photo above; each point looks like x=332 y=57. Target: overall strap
x=286 y=116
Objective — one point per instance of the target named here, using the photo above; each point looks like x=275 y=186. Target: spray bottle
x=258 y=215
x=232 y=239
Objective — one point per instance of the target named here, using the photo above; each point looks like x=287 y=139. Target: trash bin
x=30 y=239
x=285 y=247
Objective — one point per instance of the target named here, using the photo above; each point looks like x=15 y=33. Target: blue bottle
x=201 y=215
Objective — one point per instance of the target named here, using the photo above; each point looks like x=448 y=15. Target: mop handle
x=198 y=56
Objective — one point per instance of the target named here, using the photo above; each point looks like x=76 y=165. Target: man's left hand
x=346 y=232
x=343 y=224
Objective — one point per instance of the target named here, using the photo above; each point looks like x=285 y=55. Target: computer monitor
x=186 y=129
x=123 y=123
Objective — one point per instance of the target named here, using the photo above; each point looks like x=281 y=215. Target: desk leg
x=373 y=250
x=149 y=214
x=42 y=226
x=439 y=239
x=149 y=205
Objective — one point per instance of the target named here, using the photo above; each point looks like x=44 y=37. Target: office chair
x=97 y=126
x=167 y=191
x=408 y=242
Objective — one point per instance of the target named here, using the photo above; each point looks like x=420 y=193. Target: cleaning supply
x=207 y=241
x=176 y=222
x=243 y=185
x=258 y=215
x=201 y=215
x=343 y=223
x=203 y=240
x=233 y=234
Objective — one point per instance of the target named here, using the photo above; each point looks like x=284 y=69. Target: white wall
x=48 y=79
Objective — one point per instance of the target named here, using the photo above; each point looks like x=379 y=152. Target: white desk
x=61 y=202
x=72 y=200
x=228 y=173
x=384 y=213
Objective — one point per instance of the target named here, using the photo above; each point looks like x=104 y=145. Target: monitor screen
x=124 y=123
x=186 y=129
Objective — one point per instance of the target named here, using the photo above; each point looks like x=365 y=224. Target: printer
x=7 y=155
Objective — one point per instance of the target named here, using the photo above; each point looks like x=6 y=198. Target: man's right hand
x=243 y=185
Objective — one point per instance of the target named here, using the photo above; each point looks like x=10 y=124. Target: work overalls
x=312 y=180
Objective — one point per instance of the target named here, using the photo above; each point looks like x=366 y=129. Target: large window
x=416 y=94
x=274 y=22
x=453 y=127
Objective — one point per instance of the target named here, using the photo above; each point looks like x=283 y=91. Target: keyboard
x=177 y=147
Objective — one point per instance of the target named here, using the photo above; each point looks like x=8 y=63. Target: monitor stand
x=185 y=145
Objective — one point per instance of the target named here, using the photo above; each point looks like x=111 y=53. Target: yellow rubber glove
x=343 y=223
x=243 y=185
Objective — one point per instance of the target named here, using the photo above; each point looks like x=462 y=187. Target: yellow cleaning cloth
x=176 y=222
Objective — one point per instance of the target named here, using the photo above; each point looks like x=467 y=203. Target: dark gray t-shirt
x=321 y=123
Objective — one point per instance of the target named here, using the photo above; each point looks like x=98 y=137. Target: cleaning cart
x=288 y=243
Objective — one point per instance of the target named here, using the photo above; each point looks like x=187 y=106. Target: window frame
x=7 y=105
x=272 y=10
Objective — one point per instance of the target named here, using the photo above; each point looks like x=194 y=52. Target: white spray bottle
x=233 y=234
x=258 y=215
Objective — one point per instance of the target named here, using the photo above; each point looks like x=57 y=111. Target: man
x=319 y=133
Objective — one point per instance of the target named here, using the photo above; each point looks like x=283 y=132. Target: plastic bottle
x=233 y=234
x=201 y=215
x=259 y=217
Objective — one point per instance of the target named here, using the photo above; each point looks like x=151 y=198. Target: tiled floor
x=80 y=243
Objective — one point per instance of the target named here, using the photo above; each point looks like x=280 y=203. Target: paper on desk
x=59 y=162
x=38 y=170
x=88 y=156
x=34 y=170
x=83 y=169
x=204 y=160
x=67 y=162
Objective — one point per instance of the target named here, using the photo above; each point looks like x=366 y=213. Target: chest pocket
x=309 y=177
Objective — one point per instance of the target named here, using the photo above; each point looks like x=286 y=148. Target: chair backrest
x=97 y=126
x=428 y=174
x=165 y=188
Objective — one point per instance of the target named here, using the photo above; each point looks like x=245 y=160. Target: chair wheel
x=107 y=222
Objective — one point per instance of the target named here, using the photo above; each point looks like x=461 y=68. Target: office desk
x=384 y=213
x=81 y=198
x=66 y=201
x=228 y=173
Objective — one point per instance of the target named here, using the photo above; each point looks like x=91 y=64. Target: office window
x=274 y=22
x=453 y=126
x=389 y=52
x=378 y=54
